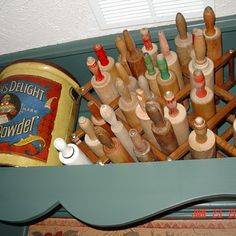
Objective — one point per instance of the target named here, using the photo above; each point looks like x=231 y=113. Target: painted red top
x=93 y=67
x=101 y=54
x=147 y=41
x=199 y=84
x=171 y=103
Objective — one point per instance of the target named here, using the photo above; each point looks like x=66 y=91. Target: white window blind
x=120 y=13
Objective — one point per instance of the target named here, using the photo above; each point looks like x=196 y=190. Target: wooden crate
x=225 y=114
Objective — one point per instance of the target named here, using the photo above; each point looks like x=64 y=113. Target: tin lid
x=43 y=63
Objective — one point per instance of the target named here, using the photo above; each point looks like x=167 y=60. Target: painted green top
x=149 y=65
x=163 y=67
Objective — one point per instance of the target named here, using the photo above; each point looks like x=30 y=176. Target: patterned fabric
x=73 y=227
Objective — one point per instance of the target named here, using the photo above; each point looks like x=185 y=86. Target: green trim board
x=116 y=194
x=153 y=189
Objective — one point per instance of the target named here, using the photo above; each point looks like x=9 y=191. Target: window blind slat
x=113 y=13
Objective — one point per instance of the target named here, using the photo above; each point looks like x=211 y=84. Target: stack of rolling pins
x=157 y=104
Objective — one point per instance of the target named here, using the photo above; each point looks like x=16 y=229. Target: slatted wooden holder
x=224 y=114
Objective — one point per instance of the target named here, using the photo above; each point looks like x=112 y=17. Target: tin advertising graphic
x=28 y=107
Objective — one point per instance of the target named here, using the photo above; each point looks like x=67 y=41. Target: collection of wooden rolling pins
x=141 y=79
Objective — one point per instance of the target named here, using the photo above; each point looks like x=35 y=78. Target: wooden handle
x=209 y=19
x=94 y=109
x=143 y=84
x=122 y=73
x=129 y=41
x=199 y=46
x=108 y=114
x=87 y=126
x=93 y=67
x=200 y=129
x=141 y=98
x=137 y=140
x=104 y=137
x=123 y=90
x=181 y=26
x=121 y=46
x=165 y=50
x=153 y=110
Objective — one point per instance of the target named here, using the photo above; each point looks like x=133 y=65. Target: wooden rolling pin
x=202 y=97
x=200 y=61
x=143 y=84
x=90 y=138
x=149 y=47
x=134 y=56
x=151 y=75
x=171 y=58
x=213 y=39
x=120 y=44
x=118 y=129
x=161 y=128
x=106 y=63
x=112 y=147
x=144 y=119
x=102 y=82
x=166 y=79
x=183 y=40
x=128 y=103
x=142 y=148
x=96 y=117
x=201 y=140
x=177 y=115
x=130 y=81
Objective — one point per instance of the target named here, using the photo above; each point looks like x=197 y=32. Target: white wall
x=26 y=24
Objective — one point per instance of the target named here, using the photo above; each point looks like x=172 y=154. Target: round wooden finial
x=200 y=129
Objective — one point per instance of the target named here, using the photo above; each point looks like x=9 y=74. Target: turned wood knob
x=200 y=129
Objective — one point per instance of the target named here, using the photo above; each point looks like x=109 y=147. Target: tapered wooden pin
x=183 y=40
x=112 y=147
x=134 y=56
x=161 y=128
x=213 y=39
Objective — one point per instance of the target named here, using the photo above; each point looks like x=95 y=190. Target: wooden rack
x=224 y=114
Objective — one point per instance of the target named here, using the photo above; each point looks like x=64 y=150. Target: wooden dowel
x=225 y=147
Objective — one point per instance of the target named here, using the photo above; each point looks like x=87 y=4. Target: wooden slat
x=227 y=148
